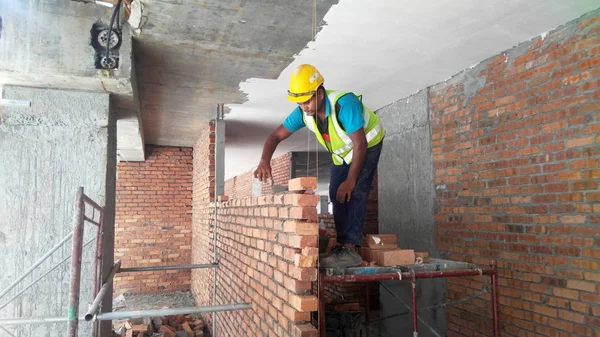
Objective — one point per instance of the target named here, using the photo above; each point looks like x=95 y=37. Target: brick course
x=258 y=255
x=153 y=221
x=241 y=186
x=516 y=172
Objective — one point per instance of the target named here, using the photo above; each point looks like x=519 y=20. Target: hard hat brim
x=299 y=99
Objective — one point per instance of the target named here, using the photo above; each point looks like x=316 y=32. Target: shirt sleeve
x=294 y=121
x=351 y=113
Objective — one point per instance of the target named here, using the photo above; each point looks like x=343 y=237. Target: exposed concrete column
x=407 y=203
x=65 y=140
x=68 y=61
x=220 y=156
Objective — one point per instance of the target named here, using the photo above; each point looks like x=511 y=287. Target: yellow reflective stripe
x=373 y=133
x=366 y=116
x=339 y=159
x=344 y=149
x=311 y=122
x=341 y=133
x=348 y=157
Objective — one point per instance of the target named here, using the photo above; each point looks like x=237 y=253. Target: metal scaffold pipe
x=179 y=267
x=170 y=312
x=118 y=315
x=107 y=283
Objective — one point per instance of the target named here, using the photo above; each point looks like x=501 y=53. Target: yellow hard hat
x=304 y=82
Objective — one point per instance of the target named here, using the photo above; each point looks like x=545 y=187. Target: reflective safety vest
x=341 y=145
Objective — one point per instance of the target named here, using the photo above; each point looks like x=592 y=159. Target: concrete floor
x=145 y=302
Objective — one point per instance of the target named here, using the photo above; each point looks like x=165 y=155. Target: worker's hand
x=263 y=171
x=344 y=192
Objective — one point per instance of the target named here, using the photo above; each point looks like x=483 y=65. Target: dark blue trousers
x=349 y=217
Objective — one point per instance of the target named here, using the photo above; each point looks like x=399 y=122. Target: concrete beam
x=69 y=62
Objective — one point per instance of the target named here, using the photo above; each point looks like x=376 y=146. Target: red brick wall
x=261 y=242
x=516 y=170
x=153 y=220
x=241 y=185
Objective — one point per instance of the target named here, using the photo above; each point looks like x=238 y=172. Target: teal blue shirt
x=350 y=115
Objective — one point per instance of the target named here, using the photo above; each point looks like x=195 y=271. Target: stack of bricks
x=516 y=172
x=153 y=221
x=383 y=250
x=268 y=250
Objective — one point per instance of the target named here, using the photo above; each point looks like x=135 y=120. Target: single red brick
x=304 y=330
x=301 y=184
x=301 y=228
x=303 y=303
x=303 y=200
x=305 y=261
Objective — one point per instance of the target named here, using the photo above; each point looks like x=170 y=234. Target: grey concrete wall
x=407 y=204
x=53 y=38
x=66 y=140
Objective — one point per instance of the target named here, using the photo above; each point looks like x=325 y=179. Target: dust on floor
x=146 y=302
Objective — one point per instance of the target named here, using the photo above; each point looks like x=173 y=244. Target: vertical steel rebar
x=97 y=258
x=413 y=282
x=214 y=314
x=367 y=301
x=496 y=318
x=73 y=313
x=98 y=265
x=321 y=314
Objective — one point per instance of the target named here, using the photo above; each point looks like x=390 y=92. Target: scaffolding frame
x=436 y=269
x=101 y=287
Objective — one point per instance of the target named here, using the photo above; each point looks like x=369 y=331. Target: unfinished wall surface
x=515 y=143
x=501 y=163
x=241 y=186
x=267 y=250
x=65 y=140
x=407 y=203
x=153 y=225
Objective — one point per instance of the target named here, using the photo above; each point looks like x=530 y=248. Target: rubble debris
x=167 y=326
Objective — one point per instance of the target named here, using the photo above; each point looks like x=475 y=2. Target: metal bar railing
x=41 y=277
x=157 y=268
x=35 y=265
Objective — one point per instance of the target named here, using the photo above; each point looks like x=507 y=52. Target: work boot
x=332 y=251
x=342 y=257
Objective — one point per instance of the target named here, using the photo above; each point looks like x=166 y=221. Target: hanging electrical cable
x=116 y=12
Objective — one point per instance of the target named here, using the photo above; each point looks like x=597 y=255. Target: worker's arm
x=359 y=154
x=263 y=172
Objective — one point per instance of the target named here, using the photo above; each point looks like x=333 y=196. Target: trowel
x=278 y=188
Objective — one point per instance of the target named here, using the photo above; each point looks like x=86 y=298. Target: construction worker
x=352 y=134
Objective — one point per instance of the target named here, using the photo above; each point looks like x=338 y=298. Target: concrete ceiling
x=193 y=54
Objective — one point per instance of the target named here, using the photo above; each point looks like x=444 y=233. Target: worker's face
x=314 y=104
